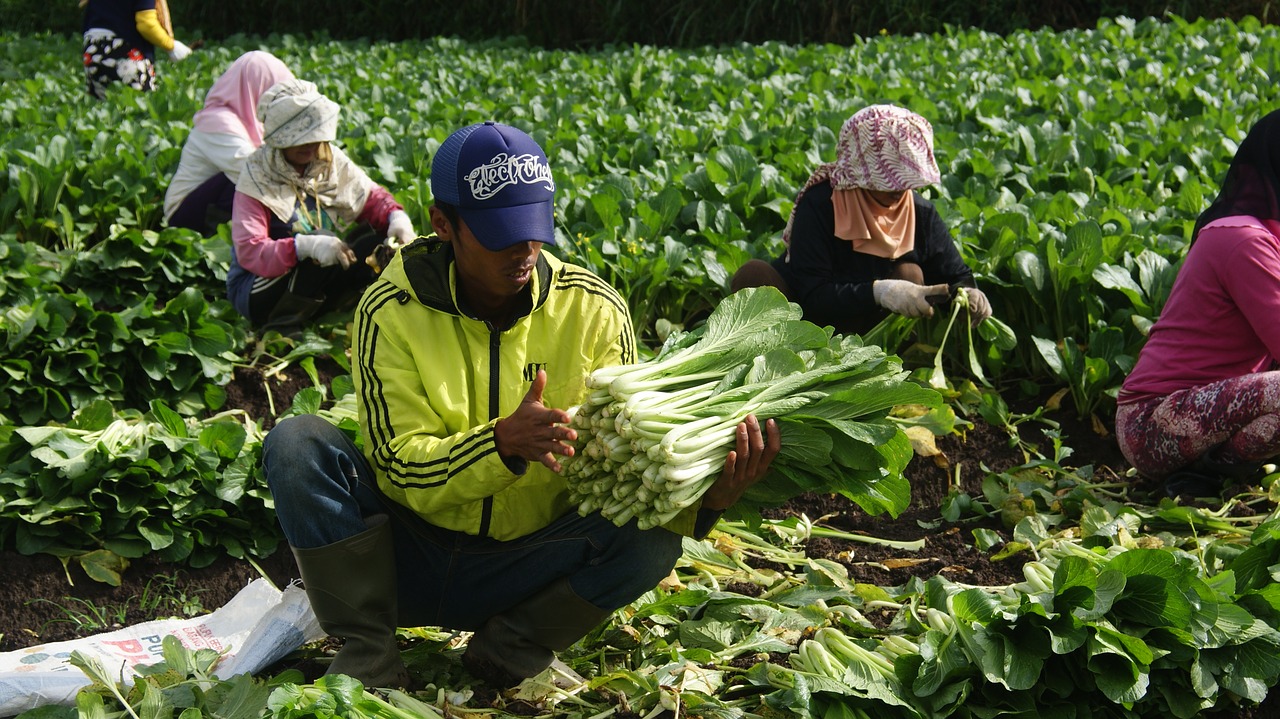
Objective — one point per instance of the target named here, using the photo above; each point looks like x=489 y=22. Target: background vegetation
x=687 y=23
x=1073 y=164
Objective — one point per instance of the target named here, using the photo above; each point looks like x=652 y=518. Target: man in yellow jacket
x=467 y=352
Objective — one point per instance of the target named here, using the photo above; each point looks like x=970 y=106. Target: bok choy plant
x=1102 y=625
x=653 y=436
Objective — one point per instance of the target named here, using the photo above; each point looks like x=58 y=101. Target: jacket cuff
x=705 y=522
x=517 y=465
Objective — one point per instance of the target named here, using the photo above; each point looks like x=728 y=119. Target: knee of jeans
x=294 y=432
x=654 y=554
x=295 y=437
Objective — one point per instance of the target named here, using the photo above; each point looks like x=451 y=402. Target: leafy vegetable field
x=1028 y=576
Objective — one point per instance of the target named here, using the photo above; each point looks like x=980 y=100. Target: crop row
x=1073 y=163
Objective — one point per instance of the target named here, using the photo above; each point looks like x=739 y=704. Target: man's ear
x=441 y=224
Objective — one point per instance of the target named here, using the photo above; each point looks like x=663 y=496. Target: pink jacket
x=259 y=253
x=1220 y=320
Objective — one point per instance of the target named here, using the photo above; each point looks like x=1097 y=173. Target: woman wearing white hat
x=296 y=198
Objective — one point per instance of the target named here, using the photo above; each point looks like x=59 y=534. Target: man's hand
x=746 y=464
x=536 y=432
x=907 y=298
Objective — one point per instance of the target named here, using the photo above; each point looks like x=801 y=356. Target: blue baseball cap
x=498 y=178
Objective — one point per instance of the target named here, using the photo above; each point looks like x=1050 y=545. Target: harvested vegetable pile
x=653 y=436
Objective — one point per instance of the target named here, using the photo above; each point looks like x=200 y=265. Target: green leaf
x=1120 y=665
x=170 y=420
x=1156 y=588
x=226 y=439
x=1031 y=271
x=103 y=566
x=94 y=416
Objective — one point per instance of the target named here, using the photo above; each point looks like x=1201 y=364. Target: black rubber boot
x=352 y=588
x=522 y=641
x=1207 y=477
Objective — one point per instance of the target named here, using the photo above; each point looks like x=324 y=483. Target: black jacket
x=832 y=283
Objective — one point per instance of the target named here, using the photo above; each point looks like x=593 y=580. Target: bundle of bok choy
x=653 y=436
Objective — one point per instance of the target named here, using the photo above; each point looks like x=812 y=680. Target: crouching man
x=467 y=351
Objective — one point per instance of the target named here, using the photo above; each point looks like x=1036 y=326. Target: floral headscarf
x=881 y=147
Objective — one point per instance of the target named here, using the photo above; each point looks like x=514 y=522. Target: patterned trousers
x=108 y=60
x=1234 y=421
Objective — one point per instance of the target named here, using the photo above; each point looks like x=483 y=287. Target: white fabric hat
x=293 y=112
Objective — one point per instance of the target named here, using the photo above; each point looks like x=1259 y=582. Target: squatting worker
x=860 y=241
x=1202 y=404
x=120 y=41
x=224 y=133
x=467 y=351
x=304 y=216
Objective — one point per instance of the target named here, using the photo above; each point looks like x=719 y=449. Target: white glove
x=979 y=306
x=180 y=51
x=326 y=250
x=907 y=298
x=399 y=229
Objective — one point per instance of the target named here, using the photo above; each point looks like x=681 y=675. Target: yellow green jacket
x=431 y=383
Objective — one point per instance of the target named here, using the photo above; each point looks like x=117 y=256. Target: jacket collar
x=424 y=268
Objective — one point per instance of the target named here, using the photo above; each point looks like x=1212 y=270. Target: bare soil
x=45 y=601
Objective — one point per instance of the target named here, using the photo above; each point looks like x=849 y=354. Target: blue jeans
x=324 y=488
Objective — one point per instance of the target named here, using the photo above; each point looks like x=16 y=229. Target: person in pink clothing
x=304 y=218
x=1201 y=407
x=225 y=132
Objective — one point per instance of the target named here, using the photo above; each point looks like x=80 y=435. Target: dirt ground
x=43 y=601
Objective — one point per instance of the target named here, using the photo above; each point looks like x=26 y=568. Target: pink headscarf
x=881 y=147
x=231 y=107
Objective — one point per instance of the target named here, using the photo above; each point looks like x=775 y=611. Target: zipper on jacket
x=495 y=356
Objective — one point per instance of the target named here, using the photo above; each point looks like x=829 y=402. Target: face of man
x=488 y=281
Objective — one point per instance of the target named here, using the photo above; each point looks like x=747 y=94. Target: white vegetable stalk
x=654 y=436
x=648 y=453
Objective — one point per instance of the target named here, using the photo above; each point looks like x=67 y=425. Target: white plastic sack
x=257 y=628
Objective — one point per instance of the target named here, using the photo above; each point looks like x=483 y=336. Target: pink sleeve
x=1251 y=277
x=255 y=250
x=378 y=208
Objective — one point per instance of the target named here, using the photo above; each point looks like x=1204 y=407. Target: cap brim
x=502 y=227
